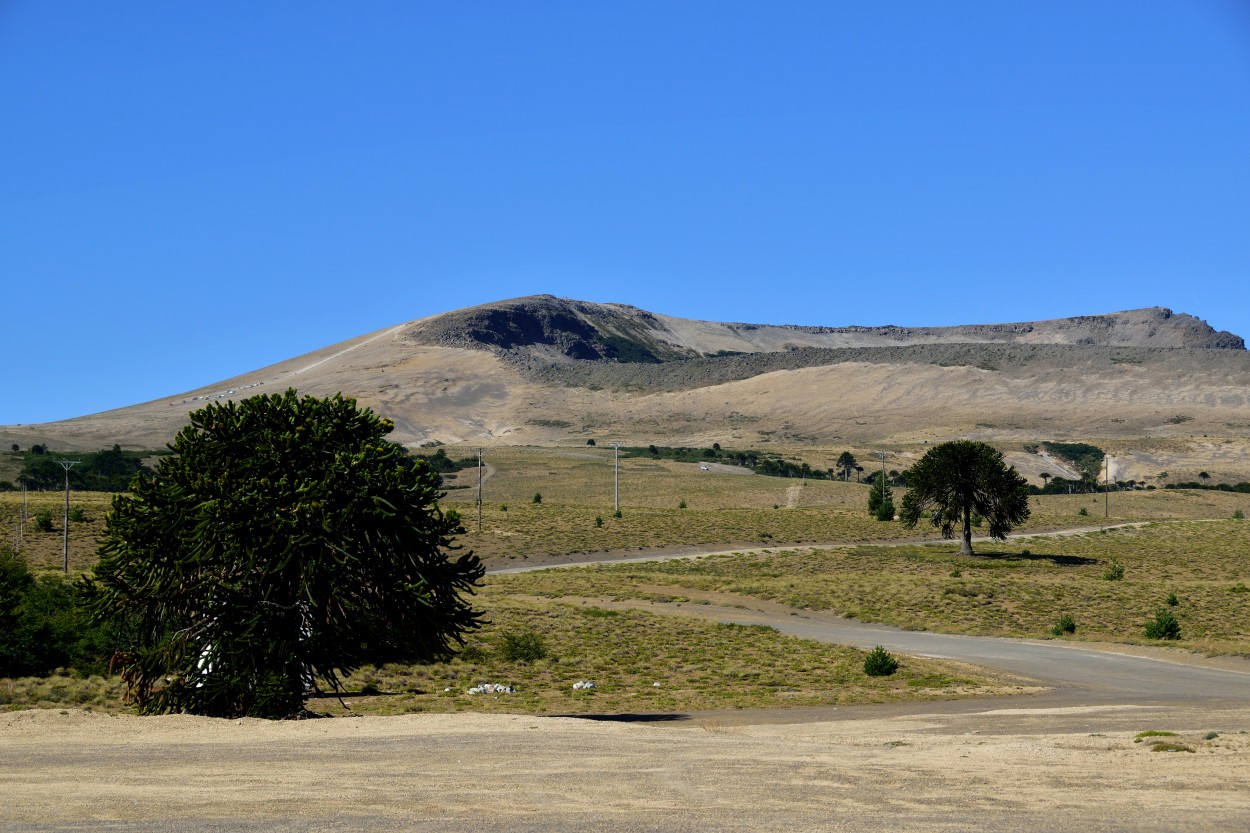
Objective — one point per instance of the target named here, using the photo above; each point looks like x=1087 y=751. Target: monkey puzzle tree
x=285 y=542
x=846 y=462
x=954 y=480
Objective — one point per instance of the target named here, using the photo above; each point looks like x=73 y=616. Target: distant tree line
x=97 y=471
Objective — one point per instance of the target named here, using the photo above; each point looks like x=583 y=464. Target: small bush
x=527 y=647
x=1165 y=746
x=43 y=520
x=617 y=513
x=538 y=497
x=1066 y=624
x=598 y=521
x=1238 y=515
x=78 y=514
x=1082 y=511
x=956 y=573
x=473 y=653
x=880 y=663
x=503 y=507
x=885 y=510
x=681 y=505
x=1163 y=626
x=1171 y=600
x=1114 y=571
x=1211 y=736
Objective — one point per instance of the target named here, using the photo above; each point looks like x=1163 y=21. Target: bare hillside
x=544 y=370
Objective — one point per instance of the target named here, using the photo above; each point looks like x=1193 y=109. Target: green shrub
x=1066 y=624
x=1163 y=626
x=473 y=653
x=1171 y=600
x=538 y=497
x=682 y=505
x=526 y=647
x=1238 y=515
x=957 y=573
x=617 y=513
x=1114 y=571
x=1082 y=511
x=885 y=510
x=43 y=520
x=880 y=663
x=78 y=514
x=598 y=521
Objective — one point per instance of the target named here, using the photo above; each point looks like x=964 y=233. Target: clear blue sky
x=192 y=190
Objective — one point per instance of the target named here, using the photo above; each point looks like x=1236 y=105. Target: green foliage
x=538 y=497
x=284 y=542
x=955 y=479
x=1085 y=457
x=682 y=505
x=880 y=493
x=526 y=646
x=617 y=513
x=1163 y=626
x=440 y=462
x=1066 y=624
x=1171 y=600
x=77 y=514
x=880 y=663
x=97 y=471
x=598 y=521
x=846 y=462
x=1114 y=571
x=41 y=625
x=1238 y=515
x=885 y=510
x=1083 y=512
x=43 y=520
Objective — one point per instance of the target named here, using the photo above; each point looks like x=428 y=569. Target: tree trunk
x=965 y=546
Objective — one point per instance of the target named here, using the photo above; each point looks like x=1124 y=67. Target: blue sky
x=193 y=190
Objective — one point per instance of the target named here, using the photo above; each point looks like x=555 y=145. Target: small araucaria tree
x=956 y=480
x=283 y=543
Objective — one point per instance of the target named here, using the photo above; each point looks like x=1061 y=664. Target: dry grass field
x=809 y=544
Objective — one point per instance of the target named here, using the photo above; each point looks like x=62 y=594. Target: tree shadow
x=1059 y=560
x=654 y=717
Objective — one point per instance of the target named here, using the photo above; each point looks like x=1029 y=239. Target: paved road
x=1076 y=673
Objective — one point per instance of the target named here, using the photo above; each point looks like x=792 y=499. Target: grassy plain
x=810 y=545
x=725 y=509
x=1020 y=589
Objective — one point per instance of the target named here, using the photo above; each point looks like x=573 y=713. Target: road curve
x=1075 y=672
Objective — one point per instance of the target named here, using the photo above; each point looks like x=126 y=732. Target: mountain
x=543 y=370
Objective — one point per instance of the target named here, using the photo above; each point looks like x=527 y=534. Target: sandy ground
x=1012 y=766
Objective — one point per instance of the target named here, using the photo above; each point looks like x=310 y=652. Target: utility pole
x=67 y=465
x=616 y=478
x=479 y=490
x=1106 y=488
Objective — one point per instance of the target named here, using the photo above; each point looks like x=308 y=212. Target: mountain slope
x=544 y=370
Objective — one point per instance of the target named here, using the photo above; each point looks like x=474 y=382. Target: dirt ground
x=1004 y=765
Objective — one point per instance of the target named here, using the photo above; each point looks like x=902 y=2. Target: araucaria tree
x=956 y=480
x=846 y=462
x=284 y=543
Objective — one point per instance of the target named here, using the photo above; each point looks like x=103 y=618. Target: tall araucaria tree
x=283 y=543
x=955 y=480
